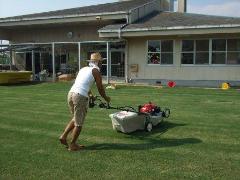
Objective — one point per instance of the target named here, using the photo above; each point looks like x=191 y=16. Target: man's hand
x=92 y=97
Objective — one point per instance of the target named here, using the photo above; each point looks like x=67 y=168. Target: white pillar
x=177 y=53
x=53 y=63
x=40 y=61
x=171 y=6
x=126 y=62
x=11 y=58
x=182 y=6
x=33 y=65
x=79 y=56
x=108 y=64
x=210 y=51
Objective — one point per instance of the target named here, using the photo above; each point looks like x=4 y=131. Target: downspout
x=120 y=31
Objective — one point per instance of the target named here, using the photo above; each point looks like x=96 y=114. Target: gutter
x=182 y=27
x=120 y=30
x=171 y=28
x=123 y=26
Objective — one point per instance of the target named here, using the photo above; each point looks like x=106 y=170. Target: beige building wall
x=138 y=55
x=55 y=34
x=3 y=35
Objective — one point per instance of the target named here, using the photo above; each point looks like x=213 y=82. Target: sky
x=20 y=7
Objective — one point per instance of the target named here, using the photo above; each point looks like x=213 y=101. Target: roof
x=123 y=6
x=175 y=20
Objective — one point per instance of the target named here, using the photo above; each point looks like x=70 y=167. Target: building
x=142 y=41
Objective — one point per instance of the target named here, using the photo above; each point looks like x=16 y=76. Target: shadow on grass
x=148 y=144
x=148 y=141
x=23 y=83
x=160 y=129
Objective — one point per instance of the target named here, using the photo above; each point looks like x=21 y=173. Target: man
x=78 y=99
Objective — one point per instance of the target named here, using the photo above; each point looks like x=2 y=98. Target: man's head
x=96 y=59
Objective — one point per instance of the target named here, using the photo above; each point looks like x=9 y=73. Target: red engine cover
x=148 y=108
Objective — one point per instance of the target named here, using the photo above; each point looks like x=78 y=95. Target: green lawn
x=201 y=139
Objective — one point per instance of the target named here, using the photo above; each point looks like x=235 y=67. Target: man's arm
x=98 y=78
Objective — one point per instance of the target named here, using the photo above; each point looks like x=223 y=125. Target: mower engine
x=149 y=108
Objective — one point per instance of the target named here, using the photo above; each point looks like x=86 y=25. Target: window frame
x=194 y=52
x=210 y=52
x=160 y=52
x=227 y=52
x=219 y=51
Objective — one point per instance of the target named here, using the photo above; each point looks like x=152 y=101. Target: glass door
x=117 y=63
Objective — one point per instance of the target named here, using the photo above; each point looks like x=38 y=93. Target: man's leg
x=68 y=129
x=70 y=125
x=80 y=111
x=74 y=146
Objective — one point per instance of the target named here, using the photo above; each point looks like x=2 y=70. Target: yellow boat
x=12 y=77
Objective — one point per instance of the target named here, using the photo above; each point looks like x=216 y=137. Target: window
x=160 y=52
x=213 y=51
x=219 y=51
x=195 y=52
x=167 y=52
x=218 y=58
x=187 y=52
x=188 y=45
x=202 y=52
x=233 y=58
x=187 y=58
x=233 y=51
x=226 y=51
x=219 y=45
x=153 y=46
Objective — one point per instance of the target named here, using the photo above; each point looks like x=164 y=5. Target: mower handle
x=106 y=105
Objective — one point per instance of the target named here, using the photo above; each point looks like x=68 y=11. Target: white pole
x=33 y=65
x=53 y=63
x=40 y=61
x=11 y=58
x=79 y=56
x=126 y=62
x=108 y=64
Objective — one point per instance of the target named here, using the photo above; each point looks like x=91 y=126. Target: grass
x=200 y=140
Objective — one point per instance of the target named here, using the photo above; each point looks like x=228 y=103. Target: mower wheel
x=166 y=113
x=149 y=127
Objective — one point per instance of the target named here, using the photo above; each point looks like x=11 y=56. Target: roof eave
x=64 y=19
x=183 y=30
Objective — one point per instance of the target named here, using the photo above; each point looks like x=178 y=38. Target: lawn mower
x=128 y=119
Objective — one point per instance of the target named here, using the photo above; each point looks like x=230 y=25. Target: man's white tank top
x=84 y=81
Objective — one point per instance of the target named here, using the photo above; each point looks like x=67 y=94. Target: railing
x=148 y=8
x=144 y=10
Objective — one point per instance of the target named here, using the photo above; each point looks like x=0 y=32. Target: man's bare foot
x=63 y=142
x=75 y=147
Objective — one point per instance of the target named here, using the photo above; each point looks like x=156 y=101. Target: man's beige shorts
x=78 y=106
